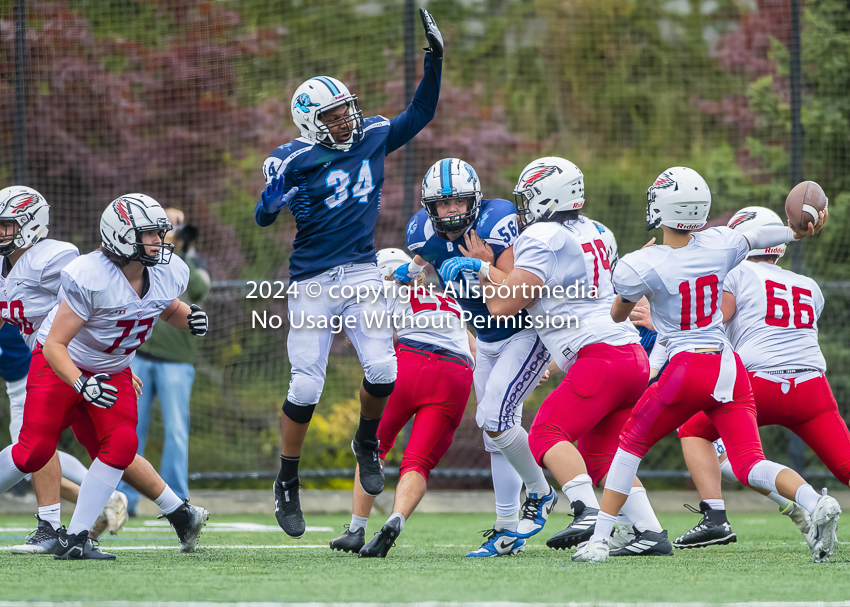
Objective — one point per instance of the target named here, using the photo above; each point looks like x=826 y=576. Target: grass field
x=257 y=562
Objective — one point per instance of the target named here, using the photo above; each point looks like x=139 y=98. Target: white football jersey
x=775 y=323
x=117 y=320
x=684 y=287
x=31 y=286
x=429 y=317
x=570 y=259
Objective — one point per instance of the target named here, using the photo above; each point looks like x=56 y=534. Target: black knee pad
x=378 y=390
x=300 y=414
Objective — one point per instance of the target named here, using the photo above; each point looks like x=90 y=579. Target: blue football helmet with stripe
x=318 y=95
x=447 y=179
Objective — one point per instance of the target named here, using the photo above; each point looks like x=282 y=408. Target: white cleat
x=116 y=512
x=800 y=517
x=823 y=534
x=622 y=535
x=591 y=552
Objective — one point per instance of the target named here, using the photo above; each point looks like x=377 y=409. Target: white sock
x=506 y=524
x=778 y=499
x=581 y=489
x=72 y=468
x=357 y=523
x=715 y=504
x=397 y=515
x=639 y=511
x=621 y=474
x=807 y=497
x=513 y=443
x=622 y=519
x=507 y=484
x=51 y=514
x=97 y=487
x=604 y=526
x=726 y=471
x=168 y=502
x=11 y=476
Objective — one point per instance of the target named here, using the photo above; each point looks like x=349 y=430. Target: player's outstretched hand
x=476 y=247
x=452 y=267
x=199 y=322
x=273 y=197
x=810 y=230
x=435 y=38
x=96 y=391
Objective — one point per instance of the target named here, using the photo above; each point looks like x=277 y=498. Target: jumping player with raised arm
x=108 y=303
x=771 y=321
x=558 y=249
x=331 y=179
x=683 y=279
x=434 y=381
x=509 y=358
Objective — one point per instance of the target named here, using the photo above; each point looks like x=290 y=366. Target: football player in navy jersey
x=331 y=179
x=510 y=359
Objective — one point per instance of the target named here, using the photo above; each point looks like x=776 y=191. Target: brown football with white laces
x=803 y=204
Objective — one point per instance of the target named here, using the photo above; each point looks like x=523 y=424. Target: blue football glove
x=273 y=197
x=452 y=267
x=406 y=274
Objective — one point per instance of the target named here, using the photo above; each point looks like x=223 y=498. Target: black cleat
x=646 y=543
x=44 y=540
x=187 y=521
x=287 y=508
x=383 y=541
x=79 y=547
x=349 y=541
x=580 y=530
x=713 y=530
x=371 y=471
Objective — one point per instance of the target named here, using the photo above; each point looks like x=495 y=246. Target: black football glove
x=435 y=38
x=95 y=391
x=199 y=322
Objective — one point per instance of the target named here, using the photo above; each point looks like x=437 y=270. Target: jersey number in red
x=600 y=255
x=702 y=319
x=446 y=303
x=128 y=325
x=776 y=303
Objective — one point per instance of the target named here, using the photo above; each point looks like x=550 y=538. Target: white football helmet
x=451 y=178
x=389 y=260
x=31 y=212
x=123 y=222
x=750 y=218
x=321 y=94
x=607 y=237
x=548 y=185
x=678 y=199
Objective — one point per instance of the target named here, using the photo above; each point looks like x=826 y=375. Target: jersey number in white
x=339 y=180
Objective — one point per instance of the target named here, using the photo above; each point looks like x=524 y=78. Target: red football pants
x=808 y=409
x=685 y=389
x=435 y=389
x=52 y=405
x=592 y=404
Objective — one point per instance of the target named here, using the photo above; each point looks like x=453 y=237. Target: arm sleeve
x=421 y=110
x=534 y=256
x=79 y=298
x=658 y=356
x=628 y=283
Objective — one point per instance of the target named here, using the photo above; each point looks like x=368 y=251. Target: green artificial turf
x=770 y=562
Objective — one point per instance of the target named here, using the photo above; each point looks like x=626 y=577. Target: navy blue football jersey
x=339 y=191
x=647 y=338
x=14 y=354
x=497 y=226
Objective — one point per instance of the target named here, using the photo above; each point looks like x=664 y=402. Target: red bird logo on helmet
x=538 y=174
x=123 y=213
x=741 y=218
x=663 y=181
x=23 y=204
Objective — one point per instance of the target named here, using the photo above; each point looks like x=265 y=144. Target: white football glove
x=199 y=322
x=95 y=391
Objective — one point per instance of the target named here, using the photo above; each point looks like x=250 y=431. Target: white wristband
x=415 y=268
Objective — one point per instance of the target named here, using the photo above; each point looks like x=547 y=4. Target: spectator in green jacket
x=165 y=364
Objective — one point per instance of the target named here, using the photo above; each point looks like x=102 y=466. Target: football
x=803 y=204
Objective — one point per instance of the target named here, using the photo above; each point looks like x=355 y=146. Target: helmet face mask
x=124 y=223
x=451 y=179
x=316 y=97
x=8 y=240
